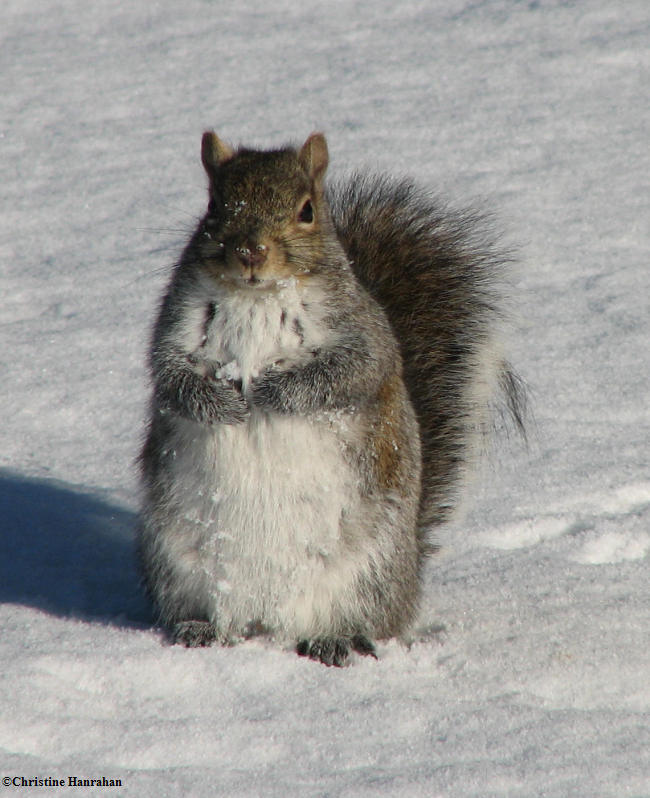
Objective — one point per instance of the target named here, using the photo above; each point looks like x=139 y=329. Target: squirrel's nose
x=252 y=256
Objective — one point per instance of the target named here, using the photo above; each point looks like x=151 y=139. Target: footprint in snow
x=608 y=547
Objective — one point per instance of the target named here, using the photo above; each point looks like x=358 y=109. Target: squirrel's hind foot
x=193 y=634
x=336 y=650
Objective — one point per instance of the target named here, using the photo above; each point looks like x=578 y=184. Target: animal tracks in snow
x=602 y=527
x=526 y=532
x=614 y=547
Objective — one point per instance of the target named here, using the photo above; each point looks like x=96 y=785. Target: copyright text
x=67 y=781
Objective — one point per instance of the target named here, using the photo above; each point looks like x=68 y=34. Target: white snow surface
x=530 y=673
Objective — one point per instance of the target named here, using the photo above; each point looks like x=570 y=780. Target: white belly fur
x=258 y=513
x=257 y=507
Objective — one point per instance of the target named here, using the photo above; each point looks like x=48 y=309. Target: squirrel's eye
x=306 y=214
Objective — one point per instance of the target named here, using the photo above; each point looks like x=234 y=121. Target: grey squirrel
x=324 y=365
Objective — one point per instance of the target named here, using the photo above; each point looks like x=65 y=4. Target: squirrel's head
x=267 y=217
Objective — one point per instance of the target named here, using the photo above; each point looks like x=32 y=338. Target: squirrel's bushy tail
x=438 y=277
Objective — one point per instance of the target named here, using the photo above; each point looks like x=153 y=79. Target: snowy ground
x=533 y=677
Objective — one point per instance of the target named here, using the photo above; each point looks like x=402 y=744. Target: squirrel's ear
x=214 y=152
x=314 y=157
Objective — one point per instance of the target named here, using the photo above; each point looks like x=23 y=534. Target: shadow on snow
x=68 y=552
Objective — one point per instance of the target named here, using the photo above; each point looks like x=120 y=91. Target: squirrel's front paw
x=215 y=402
x=269 y=392
x=233 y=407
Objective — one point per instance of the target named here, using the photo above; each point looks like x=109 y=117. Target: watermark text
x=59 y=781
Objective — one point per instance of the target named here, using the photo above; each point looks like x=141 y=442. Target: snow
x=530 y=675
